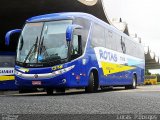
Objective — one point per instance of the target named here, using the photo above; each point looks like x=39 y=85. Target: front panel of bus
x=43 y=55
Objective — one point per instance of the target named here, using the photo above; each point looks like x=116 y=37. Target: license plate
x=36 y=83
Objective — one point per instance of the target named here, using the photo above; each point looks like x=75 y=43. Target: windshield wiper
x=31 y=49
x=42 y=47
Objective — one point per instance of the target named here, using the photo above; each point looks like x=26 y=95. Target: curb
x=8 y=92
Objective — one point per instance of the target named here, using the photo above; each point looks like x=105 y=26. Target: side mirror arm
x=69 y=31
x=9 y=33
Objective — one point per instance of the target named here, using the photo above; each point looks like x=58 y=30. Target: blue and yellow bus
x=7 y=79
x=75 y=50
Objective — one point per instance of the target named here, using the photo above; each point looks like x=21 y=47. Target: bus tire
x=134 y=83
x=49 y=91
x=93 y=85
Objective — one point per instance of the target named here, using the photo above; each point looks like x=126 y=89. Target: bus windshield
x=43 y=42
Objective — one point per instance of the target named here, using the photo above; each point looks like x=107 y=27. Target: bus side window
x=76 y=46
x=98 y=36
x=109 y=41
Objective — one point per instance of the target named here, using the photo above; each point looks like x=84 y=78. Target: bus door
x=76 y=52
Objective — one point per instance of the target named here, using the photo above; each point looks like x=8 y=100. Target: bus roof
x=63 y=15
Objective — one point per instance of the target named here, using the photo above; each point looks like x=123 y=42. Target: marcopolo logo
x=6 y=71
x=107 y=55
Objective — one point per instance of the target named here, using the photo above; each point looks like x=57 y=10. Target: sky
x=142 y=17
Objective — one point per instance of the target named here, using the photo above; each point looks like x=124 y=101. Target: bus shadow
x=69 y=92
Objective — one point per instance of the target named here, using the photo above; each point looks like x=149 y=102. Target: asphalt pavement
x=143 y=100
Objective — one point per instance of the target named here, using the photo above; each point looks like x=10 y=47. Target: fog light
x=78 y=77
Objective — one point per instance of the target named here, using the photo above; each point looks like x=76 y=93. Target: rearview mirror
x=69 y=31
x=8 y=35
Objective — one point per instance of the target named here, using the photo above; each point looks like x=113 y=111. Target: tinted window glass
x=84 y=31
x=98 y=36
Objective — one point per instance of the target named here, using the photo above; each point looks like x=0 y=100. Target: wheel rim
x=134 y=82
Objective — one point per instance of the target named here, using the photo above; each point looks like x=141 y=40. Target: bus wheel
x=62 y=90
x=49 y=91
x=93 y=85
x=134 y=83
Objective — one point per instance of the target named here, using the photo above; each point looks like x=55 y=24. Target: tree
x=147 y=72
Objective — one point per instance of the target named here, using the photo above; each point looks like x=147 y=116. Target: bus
x=150 y=80
x=7 y=79
x=61 y=51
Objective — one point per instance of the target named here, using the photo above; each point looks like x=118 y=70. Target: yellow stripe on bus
x=6 y=78
x=111 y=68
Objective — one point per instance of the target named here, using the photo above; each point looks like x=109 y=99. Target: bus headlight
x=58 y=72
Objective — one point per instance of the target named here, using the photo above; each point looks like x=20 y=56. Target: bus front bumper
x=60 y=81
x=39 y=79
